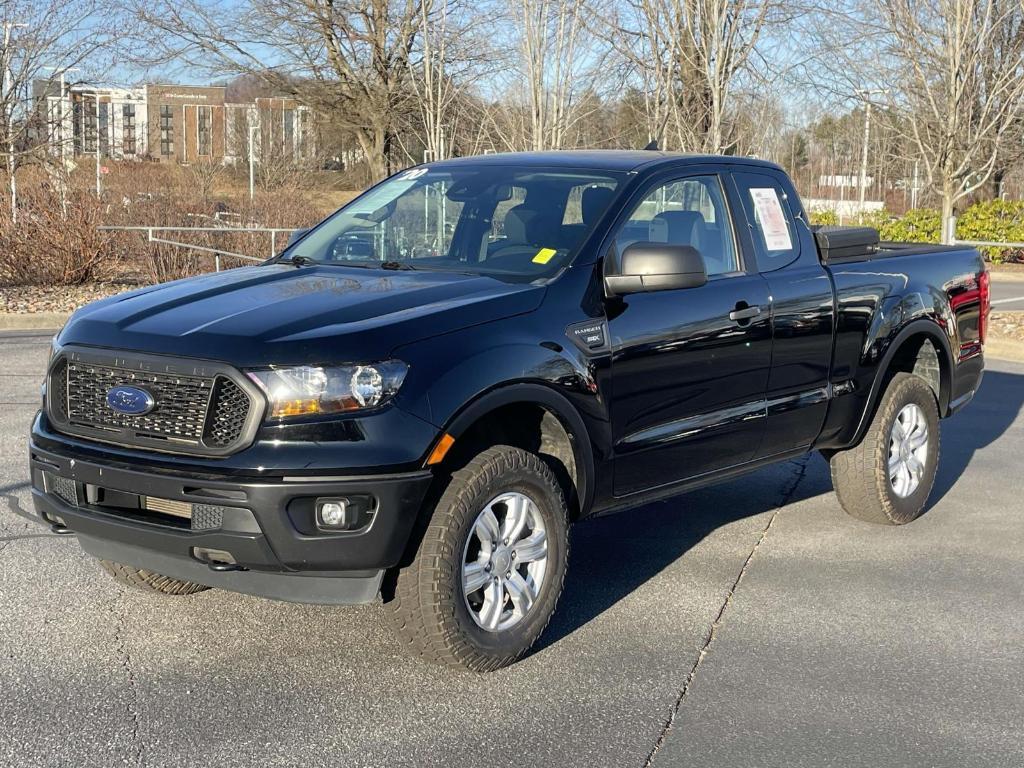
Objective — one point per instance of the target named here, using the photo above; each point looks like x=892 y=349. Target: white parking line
x=1008 y=301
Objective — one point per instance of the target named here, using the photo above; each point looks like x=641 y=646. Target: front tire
x=150 y=581
x=888 y=476
x=489 y=570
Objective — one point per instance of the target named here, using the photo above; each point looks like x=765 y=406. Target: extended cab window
x=767 y=209
x=690 y=211
x=511 y=222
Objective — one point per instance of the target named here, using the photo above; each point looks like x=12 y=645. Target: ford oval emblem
x=131 y=401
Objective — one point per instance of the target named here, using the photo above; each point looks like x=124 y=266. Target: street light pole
x=866 y=93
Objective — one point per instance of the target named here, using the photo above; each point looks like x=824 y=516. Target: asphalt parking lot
x=750 y=624
x=1008 y=295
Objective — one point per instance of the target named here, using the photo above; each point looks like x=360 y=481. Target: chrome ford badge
x=131 y=401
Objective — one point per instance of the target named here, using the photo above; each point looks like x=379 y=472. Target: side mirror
x=297 y=234
x=646 y=267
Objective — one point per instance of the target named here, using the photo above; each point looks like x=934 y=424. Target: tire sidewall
x=905 y=390
x=544 y=492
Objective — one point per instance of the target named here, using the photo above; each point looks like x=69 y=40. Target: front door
x=690 y=367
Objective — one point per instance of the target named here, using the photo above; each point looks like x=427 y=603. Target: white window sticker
x=415 y=173
x=771 y=219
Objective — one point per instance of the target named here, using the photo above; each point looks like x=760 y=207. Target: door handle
x=741 y=314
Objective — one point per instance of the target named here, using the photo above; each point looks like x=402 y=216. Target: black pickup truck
x=418 y=396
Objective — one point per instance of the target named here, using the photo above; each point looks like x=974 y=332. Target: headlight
x=312 y=390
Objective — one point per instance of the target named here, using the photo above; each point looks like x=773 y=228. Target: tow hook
x=217 y=559
x=224 y=567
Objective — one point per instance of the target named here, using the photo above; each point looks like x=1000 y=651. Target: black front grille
x=207 y=517
x=180 y=413
x=228 y=411
x=192 y=414
x=61 y=487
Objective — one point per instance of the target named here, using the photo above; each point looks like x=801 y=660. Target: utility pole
x=7 y=98
x=866 y=94
x=252 y=162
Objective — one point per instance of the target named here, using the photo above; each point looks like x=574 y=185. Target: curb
x=1004 y=349
x=33 y=321
x=1006 y=277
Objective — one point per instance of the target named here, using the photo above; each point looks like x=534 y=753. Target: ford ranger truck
x=415 y=400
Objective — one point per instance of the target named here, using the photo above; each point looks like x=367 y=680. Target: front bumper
x=267 y=525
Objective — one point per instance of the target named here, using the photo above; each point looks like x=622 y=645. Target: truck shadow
x=994 y=409
x=613 y=556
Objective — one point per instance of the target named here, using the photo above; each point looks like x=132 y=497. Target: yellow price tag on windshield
x=544 y=255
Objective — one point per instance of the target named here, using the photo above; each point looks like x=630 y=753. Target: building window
x=166 y=130
x=104 y=129
x=86 y=117
x=128 y=128
x=77 y=133
x=289 y=130
x=303 y=128
x=237 y=132
x=203 y=121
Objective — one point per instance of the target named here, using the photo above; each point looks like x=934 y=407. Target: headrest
x=526 y=225
x=593 y=202
x=515 y=224
x=684 y=227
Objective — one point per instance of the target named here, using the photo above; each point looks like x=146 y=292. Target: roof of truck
x=602 y=159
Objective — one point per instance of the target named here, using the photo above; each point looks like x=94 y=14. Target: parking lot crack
x=125 y=656
x=787 y=495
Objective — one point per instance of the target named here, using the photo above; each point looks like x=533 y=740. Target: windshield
x=511 y=222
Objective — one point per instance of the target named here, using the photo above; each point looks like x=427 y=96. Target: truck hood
x=285 y=315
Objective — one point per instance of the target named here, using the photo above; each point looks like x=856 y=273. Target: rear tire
x=150 y=581
x=462 y=601
x=888 y=476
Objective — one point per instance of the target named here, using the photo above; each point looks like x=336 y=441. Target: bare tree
x=549 y=41
x=348 y=59
x=550 y=65
x=451 y=56
x=41 y=41
x=687 y=57
x=960 y=68
x=205 y=174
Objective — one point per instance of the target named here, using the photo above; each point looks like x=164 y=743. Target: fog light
x=332 y=513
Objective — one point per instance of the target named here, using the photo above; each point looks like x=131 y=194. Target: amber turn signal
x=441 y=449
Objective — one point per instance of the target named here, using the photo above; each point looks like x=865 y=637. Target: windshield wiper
x=396 y=265
x=302 y=261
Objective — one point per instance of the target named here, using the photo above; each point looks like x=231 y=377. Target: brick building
x=170 y=123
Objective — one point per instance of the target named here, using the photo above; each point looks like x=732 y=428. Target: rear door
x=690 y=367
x=802 y=309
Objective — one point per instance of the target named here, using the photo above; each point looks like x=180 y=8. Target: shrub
x=919 y=225
x=1000 y=220
x=824 y=217
x=53 y=244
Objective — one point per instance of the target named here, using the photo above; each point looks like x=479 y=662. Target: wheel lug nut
x=508 y=575
x=506 y=542
x=487 y=567
x=513 y=555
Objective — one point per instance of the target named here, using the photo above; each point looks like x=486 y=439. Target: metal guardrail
x=217 y=252
x=989 y=243
x=953 y=240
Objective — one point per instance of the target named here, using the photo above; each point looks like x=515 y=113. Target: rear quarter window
x=772 y=224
